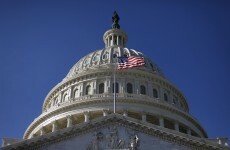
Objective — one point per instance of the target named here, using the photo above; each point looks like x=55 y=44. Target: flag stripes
x=130 y=62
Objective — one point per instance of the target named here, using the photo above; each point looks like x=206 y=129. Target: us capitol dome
x=150 y=113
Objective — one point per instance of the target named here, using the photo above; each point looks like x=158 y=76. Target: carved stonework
x=113 y=138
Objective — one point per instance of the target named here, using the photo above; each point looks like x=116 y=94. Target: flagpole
x=114 y=87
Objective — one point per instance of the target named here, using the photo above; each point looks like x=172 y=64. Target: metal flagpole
x=114 y=85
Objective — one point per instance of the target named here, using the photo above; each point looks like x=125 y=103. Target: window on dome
x=96 y=58
x=88 y=90
x=101 y=88
x=155 y=93
x=105 y=56
x=182 y=129
x=143 y=89
x=87 y=60
x=129 y=88
x=65 y=98
x=76 y=93
x=174 y=100
x=117 y=88
x=165 y=97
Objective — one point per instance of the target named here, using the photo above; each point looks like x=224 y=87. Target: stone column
x=125 y=113
x=161 y=93
x=42 y=131
x=176 y=126
x=170 y=98
x=161 y=120
x=94 y=88
x=143 y=116
x=69 y=121
x=137 y=88
x=54 y=126
x=188 y=131
x=122 y=86
x=150 y=90
x=118 y=42
x=112 y=40
x=105 y=112
x=86 y=115
x=107 y=86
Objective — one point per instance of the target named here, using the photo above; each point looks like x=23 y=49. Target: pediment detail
x=114 y=132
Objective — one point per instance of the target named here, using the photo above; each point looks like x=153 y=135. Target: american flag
x=130 y=62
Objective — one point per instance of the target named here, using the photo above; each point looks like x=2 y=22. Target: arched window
x=155 y=93
x=101 y=88
x=76 y=93
x=165 y=97
x=129 y=88
x=143 y=90
x=175 y=101
x=88 y=90
x=117 y=88
x=65 y=98
x=105 y=56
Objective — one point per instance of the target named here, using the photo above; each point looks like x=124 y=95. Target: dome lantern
x=115 y=36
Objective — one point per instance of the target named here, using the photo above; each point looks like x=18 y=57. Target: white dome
x=86 y=93
x=103 y=59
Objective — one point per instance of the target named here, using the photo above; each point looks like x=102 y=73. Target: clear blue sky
x=41 y=40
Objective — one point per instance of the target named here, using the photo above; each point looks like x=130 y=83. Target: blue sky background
x=41 y=40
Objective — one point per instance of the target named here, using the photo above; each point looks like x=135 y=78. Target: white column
x=107 y=86
x=122 y=86
x=170 y=99
x=69 y=121
x=161 y=93
x=176 y=126
x=42 y=131
x=112 y=40
x=105 y=112
x=118 y=42
x=125 y=113
x=143 y=116
x=137 y=87
x=188 y=131
x=161 y=120
x=81 y=89
x=54 y=126
x=149 y=89
x=86 y=115
x=94 y=87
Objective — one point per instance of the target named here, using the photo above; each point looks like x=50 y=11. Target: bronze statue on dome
x=115 y=19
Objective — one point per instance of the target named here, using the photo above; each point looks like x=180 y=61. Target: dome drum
x=86 y=113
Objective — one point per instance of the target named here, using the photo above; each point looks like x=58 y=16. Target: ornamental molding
x=111 y=121
x=76 y=104
x=65 y=84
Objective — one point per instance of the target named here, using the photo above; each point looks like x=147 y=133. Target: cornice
x=111 y=120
